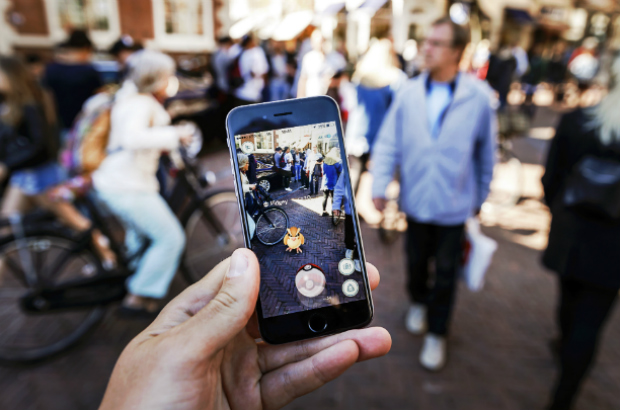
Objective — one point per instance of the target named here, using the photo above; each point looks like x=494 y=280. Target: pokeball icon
x=310 y=281
x=350 y=288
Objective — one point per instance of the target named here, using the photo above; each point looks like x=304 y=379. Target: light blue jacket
x=444 y=180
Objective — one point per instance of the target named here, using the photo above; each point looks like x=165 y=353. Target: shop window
x=85 y=14
x=184 y=16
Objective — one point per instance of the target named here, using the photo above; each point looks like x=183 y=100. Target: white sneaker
x=416 y=319
x=434 y=351
x=287 y=189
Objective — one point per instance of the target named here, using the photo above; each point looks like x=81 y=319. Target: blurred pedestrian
x=253 y=68
x=279 y=88
x=220 y=61
x=305 y=46
x=122 y=49
x=440 y=132
x=377 y=78
x=585 y=234
x=502 y=68
x=72 y=78
x=316 y=72
x=125 y=181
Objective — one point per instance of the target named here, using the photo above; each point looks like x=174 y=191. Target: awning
x=292 y=25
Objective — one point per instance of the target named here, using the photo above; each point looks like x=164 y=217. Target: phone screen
x=297 y=197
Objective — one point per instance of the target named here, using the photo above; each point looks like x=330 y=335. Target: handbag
x=479 y=250
x=593 y=188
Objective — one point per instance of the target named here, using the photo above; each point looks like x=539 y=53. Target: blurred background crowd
x=163 y=74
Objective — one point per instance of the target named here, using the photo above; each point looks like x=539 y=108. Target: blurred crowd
x=428 y=117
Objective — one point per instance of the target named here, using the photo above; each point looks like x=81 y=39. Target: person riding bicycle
x=126 y=180
x=28 y=152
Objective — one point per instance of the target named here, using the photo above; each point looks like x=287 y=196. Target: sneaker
x=287 y=189
x=434 y=352
x=416 y=319
x=348 y=254
x=325 y=214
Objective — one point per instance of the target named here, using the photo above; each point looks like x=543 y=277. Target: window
x=184 y=17
x=85 y=14
x=264 y=141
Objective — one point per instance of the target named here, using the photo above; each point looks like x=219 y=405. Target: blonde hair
x=150 y=70
x=23 y=90
x=606 y=118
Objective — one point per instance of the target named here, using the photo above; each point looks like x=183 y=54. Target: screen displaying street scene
x=297 y=197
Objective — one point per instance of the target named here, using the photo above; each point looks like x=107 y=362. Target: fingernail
x=238 y=265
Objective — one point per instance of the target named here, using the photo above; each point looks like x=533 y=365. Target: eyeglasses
x=437 y=43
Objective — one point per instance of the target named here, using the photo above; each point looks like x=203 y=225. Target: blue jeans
x=298 y=172
x=279 y=89
x=147 y=216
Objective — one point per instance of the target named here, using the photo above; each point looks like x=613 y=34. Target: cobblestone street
x=499 y=355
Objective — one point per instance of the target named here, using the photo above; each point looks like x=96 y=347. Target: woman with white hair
x=140 y=131
x=582 y=189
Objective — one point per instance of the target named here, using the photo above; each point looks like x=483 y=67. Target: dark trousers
x=326 y=194
x=304 y=179
x=444 y=245
x=582 y=313
x=349 y=234
x=315 y=183
x=286 y=178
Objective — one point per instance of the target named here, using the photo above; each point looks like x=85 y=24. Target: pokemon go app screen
x=297 y=194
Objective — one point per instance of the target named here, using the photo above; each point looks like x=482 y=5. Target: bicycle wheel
x=206 y=244
x=42 y=260
x=271 y=226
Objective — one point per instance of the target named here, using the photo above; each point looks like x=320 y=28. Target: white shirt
x=139 y=131
x=317 y=72
x=253 y=65
x=288 y=158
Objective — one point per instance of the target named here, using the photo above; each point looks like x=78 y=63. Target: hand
x=380 y=203
x=336 y=212
x=185 y=139
x=252 y=187
x=200 y=352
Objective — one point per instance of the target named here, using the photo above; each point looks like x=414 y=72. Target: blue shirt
x=438 y=99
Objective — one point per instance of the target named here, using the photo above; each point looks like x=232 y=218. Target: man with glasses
x=440 y=133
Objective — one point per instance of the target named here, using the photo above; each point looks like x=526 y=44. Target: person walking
x=286 y=168
x=253 y=68
x=440 y=132
x=126 y=183
x=332 y=168
x=585 y=234
x=72 y=78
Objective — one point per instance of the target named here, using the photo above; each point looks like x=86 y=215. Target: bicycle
x=53 y=287
x=271 y=221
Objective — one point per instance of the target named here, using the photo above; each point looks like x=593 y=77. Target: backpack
x=233 y=73
x=282 y=161
x=593 y=188
x=317 y=172
x=88 y=138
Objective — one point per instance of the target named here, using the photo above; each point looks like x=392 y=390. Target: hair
x=285 y=149
x=605 y=116
x=23 y=91
x=243 y=160
x=461 y=34
x=78 y=39
x=150 y=70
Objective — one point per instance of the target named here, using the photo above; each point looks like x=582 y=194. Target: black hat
x=78 y=39
x=126 y=42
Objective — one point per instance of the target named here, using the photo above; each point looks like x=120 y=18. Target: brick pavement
x=498 y=347
x=324 y=247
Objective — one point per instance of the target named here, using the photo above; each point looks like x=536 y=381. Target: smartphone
x=299 y=218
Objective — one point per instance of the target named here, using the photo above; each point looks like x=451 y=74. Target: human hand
x=336 y=213
x=380 y=203
x=200 y=352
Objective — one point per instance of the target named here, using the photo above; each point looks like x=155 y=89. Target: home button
x=317 y=323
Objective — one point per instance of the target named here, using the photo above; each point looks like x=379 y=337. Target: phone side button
x=317 y=323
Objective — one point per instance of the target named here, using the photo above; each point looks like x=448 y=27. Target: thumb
x=231 y=308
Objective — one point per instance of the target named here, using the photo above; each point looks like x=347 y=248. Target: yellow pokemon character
x=294 y=239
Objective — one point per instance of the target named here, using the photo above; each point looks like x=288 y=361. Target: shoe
x=434 y=352
x=287 y=189
x=416 y=319
x=325 y=214
x=348 y=254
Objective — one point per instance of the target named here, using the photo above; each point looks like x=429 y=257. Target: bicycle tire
x=267 y=235
x=37 y=333
x=199 y=258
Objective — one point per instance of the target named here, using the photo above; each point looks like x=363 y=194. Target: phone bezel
x=292 y=113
